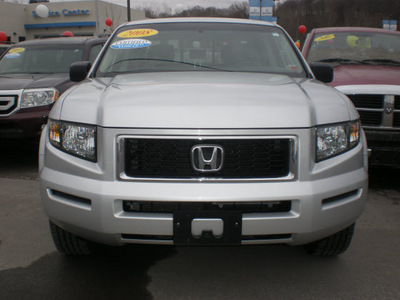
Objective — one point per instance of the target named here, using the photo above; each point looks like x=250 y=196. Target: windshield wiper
x=163 y=60
x=40 y=73
x=192 y=64
x=10 y=75
x=344 y=61
x=382 y=61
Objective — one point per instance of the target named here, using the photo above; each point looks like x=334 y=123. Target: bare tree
x=239 y=10
x=17 y=1
x=327 y=13
x=236 y=10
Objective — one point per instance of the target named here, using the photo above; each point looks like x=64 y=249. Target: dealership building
x=22 y=21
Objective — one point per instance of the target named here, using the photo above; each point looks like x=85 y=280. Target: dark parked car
x=366 y=65
x=33 y=74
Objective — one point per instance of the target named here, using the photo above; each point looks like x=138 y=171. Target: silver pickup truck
x=192 y=132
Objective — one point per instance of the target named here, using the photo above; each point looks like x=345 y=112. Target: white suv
x=202 y=132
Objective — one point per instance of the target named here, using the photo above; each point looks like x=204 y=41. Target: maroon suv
x=33 y=74
x=366 y=65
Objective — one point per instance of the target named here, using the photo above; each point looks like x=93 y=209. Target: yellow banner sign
x=325 y=38
x=135 y=33
x=16 y=50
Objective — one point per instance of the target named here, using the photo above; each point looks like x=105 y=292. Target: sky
x=184 y=3
x=162 y=3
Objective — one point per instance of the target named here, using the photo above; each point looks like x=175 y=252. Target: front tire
x=332 y=245
x=68 y=243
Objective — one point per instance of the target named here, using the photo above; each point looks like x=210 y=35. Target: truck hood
x=33 y=81
x=365 y=75
x=203 y=100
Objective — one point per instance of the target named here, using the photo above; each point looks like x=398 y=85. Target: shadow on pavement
x=19 y=159
x=116 y=273
x=384 y=178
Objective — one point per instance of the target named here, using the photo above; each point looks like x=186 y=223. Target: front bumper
x=24 y=123
x=87 y=199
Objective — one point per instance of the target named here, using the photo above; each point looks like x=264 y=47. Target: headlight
x=38 y=97
x=75 y=139
x=336 y=139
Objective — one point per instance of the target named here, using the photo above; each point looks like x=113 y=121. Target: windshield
x=40 y=59
x=355 y=48
x=200 y=47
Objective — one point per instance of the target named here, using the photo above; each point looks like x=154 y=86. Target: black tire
x=68 y=243
x=332 y=245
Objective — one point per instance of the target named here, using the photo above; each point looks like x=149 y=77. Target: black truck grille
x=370 y=118
x=396 y=119
x=171 y=158
x=373 y=109
x=367 y=101
x=397 y=102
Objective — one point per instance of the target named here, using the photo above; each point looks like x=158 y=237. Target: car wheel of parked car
x=332 y=245
x=70 y=244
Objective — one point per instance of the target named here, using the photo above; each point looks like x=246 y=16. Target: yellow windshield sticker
x=325 y=38
x=17 y=50
x=135 y=33
x=356 y=42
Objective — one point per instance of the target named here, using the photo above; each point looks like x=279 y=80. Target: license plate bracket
x=231 y=235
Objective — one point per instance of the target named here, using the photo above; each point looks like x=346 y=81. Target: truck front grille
x=397 y=103
x=172 y=158
x=367 y=101
x=377 y=110
x=396 y=119
x=370 y=118
x=8 y=104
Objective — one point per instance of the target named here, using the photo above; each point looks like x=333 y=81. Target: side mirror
x=323 y=72
x=79 y=70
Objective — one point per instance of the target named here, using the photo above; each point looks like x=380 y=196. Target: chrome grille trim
x=9 y=101
x=388 y=111
x=6 y=102
x=293 y=159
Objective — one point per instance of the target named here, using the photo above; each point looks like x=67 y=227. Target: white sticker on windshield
x=11 y=55
x=131 y=44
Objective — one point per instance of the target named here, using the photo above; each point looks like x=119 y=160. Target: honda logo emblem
x=207 y=158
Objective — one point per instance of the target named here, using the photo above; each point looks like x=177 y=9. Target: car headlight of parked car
x=38 y=97
x=76 y=139
x=335 y=139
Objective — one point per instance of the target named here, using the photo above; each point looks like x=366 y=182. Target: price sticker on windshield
x=12 y=55
x=136 y=33
x=131 y=44
x=326 y=37
x=17 y=50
